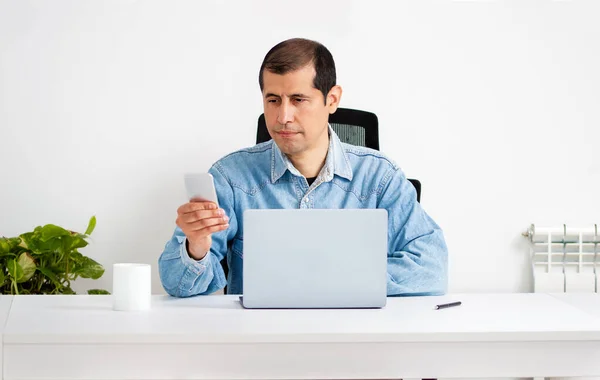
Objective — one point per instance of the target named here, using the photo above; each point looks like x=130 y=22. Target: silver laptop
x=315 y=258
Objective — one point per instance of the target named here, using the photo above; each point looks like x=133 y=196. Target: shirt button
x=306 y=200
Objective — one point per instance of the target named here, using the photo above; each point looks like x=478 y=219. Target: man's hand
x=198 y=221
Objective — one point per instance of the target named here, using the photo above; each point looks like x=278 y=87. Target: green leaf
x=4 y=246
x=67 y=290
x=50 y=231
x=53 y=245
x=91 y=225
x=32 y=242
x=14 y=269
x=66 y=242
x=14 y=242
x=2 y=277
x=28 y=240
x=89 y=268
x=78 y=241
x=9 y=246
x=98 y=291
x=77 y=259
x=28 y=266
x=50 y=275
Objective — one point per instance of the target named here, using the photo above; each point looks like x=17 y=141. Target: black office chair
x=352 y=126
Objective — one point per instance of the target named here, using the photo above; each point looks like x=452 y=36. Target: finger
x=194 y=216
x=195 y=206
x=207 y=231
x=205 y=223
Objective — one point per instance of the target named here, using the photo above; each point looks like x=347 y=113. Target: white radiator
x=564 y=259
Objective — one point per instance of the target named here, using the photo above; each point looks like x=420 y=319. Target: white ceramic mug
x=131 y=286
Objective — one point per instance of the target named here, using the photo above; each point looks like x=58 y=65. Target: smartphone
x=200 y=187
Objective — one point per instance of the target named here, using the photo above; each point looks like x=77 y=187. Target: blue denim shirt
x=262 y=177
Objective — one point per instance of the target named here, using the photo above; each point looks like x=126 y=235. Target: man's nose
x=285 y=114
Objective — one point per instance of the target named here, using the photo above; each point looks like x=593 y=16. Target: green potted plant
x=46 y=261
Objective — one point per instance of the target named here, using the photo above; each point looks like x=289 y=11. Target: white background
x=494 y=106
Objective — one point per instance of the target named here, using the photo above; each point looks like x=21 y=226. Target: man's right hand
x=198 y=221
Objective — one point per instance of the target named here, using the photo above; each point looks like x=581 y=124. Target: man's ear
x=333 y=98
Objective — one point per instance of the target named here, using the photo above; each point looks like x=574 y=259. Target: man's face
x=295 y=112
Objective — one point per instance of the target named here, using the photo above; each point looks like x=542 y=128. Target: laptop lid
x=317 y=258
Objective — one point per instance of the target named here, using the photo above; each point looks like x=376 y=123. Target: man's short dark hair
x=294 y=54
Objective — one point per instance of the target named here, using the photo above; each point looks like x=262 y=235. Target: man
x=304 y=166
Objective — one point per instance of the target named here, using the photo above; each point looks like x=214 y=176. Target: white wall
x=493 y=106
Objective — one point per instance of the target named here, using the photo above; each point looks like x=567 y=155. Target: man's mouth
x=287 y=133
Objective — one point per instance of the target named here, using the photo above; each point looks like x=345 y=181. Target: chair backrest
x=352 y=126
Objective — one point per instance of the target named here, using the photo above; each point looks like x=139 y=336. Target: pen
x=445 y=305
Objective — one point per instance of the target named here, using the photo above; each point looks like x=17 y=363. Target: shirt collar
x=336 y=162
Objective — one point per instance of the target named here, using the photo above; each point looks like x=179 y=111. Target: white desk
x=5 y=304
x=588 y=302
x=503 y=335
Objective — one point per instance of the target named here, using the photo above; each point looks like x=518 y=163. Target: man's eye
x=272 y=100
x=300 y=100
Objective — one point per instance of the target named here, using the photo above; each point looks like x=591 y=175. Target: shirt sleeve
x=417 y=251
x=183 y=276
